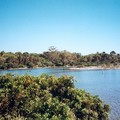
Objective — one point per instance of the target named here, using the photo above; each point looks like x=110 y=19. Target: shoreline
x=94 y=68
x=25 y=68
x=70 y=68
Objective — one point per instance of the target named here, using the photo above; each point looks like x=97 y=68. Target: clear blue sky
x=85 y=26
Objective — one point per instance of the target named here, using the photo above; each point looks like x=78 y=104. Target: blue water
x=105 y=83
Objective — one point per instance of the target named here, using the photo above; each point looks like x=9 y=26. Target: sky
x=82 y=26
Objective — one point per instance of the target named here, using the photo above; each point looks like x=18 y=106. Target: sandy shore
x=93 y=68
x=72 y=68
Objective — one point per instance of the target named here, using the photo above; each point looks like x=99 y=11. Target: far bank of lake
x=71 y=68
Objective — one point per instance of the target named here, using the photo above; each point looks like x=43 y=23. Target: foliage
x=53 y=57
x=47 y=98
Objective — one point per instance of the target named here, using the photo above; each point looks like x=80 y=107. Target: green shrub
x=47 y=98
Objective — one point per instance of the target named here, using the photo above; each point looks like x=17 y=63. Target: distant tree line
x=53 y=57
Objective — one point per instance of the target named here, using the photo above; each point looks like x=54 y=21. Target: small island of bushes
x=47 y=98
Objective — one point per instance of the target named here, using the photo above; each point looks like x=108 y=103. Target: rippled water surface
x=105 y=83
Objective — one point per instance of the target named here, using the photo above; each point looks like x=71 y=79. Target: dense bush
x=53 y=57
x=47 y=98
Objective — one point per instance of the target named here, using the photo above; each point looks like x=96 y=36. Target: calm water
x=105 y=83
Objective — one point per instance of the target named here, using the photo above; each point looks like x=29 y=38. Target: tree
x=30 y=65
x=19 y=57
x=2 y=53
x=52 y=49
x=112 y=53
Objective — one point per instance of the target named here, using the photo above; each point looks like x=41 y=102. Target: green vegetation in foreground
x=47 y=98
x=53 y=57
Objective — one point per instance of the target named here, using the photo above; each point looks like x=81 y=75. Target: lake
x=104 y=83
